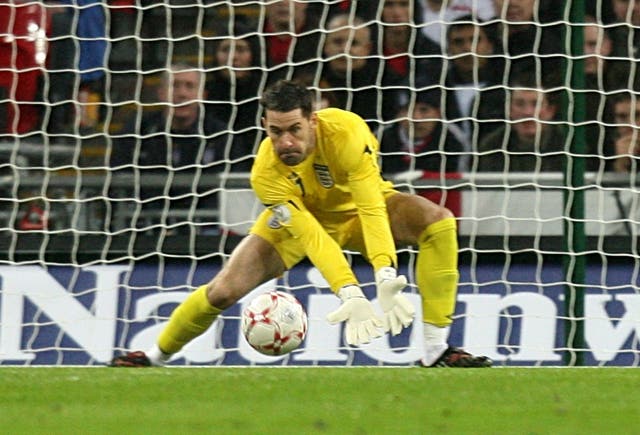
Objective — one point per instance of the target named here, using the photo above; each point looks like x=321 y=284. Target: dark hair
x=529 y=80
x=287 y=95
x=243 y=32
x=489 y=28
x=431 y=96
x=466 y=21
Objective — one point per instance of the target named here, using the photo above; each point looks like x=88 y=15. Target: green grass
x=318 y=400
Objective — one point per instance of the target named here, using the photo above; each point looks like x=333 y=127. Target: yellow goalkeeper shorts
x=343 y=227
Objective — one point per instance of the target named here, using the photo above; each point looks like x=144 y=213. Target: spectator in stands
x=626 y=107
x=436 y=14
x=528 y=42
x=178 y=136
x=22 y=57
x=233 y=92
x=529 y=141
x=405 y=49
x=87 y=19
x=420 y=145
x=473 y=68
x=597 y=49
x=599 y=80
x=292 y=39
x=626 y=41
x=352 y=71
x=179 y=139
x=419 y=140
x=473 y=77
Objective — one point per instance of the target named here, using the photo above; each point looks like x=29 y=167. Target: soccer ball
x=274 y=323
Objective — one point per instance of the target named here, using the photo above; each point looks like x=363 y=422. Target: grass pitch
x=362 y=400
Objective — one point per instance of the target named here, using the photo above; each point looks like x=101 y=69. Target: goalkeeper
x=317 y=174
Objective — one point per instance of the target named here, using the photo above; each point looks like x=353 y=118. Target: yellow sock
x=437 y=271
x=190 y=319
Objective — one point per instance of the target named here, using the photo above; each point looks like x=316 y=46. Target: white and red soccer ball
x=274 y=323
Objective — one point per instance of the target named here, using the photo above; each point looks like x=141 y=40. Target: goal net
x=127 y=130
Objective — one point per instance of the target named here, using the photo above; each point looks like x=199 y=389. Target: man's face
x=515 y=10
x=530 y=106
x=286 y=15
x=183 y=93
x=469 y=40
x=424 y=120
x=596 y=45
x=346 y=43
x=292 y=135
x=397 y=12
x=235 y=54
x=627 y=116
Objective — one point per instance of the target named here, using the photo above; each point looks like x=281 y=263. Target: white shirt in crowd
x=435 y=21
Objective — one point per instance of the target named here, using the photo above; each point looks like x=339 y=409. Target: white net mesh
x=127 y=129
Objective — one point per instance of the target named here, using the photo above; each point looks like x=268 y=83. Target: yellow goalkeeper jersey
x=338 y=180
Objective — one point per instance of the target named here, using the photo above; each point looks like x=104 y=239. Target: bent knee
x=434 y=213
x=439 y=214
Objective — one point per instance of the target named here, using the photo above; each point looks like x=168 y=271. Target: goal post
x=575 y=238
x=94 y=255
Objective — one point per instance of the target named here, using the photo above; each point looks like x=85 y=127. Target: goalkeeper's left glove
x=398 y=311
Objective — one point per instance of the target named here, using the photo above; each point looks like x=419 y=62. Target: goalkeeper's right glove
x=398 y=311
x=362 y=322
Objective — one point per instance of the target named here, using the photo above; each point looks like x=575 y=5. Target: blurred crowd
x=447 y=86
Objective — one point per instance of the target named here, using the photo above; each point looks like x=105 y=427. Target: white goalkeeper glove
x=362 y=323
x=398 y=311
